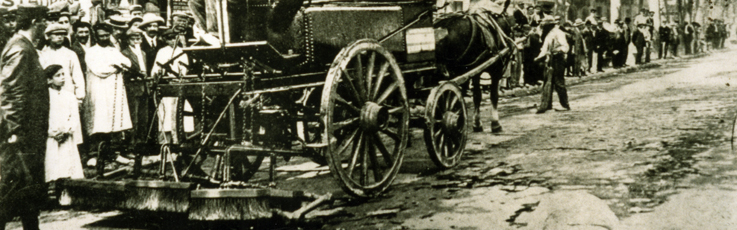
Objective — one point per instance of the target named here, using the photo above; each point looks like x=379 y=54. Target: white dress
x=62 y=159
x=106 y=104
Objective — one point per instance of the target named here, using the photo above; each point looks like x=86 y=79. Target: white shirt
x=139 y=54
x=68 y=60
x=554 y=43
x=151 y=41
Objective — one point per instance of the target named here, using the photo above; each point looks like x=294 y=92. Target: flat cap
x=56 y=29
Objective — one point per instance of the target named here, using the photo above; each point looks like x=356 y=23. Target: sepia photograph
x=368 y=114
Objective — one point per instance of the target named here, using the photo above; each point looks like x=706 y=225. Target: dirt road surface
x=644 y=150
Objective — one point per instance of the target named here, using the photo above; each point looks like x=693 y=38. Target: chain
x=115 y=99
x=203 y=112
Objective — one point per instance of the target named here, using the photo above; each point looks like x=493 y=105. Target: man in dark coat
x=639 y=39
x=24 y=105
x=688 y=37
x=601 y=37
x=81 y=41
x=533 y=71
x=664 y=33
x=588 y=36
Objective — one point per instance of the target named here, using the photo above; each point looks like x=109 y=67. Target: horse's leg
x=476 y=81
x=496 y=127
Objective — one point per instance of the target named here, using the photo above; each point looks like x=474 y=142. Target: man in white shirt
x=56 y=53
x=553 y=51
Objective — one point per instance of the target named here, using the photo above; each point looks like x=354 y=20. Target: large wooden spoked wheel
x=366 y=114
x=445 y=134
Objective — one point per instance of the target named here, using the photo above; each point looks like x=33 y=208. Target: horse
x=469 y=42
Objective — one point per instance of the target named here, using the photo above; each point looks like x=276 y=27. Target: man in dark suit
x=601 y=37
x=688 y=37
x=664 y=33
x=151 y=42
x=24 y=105
x=639 y=39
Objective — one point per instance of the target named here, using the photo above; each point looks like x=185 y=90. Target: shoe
x=541 y=111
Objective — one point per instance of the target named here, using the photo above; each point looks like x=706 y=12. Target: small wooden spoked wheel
x=445 y=116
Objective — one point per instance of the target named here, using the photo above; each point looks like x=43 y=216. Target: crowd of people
x=569 y=47
x=66 y=80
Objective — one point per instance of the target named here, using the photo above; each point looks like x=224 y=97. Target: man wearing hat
x=167 y=107
x=180 y=24
x=640 y=38
x=140 y=102
x=664 y=36
x=151 y=41
x=119 y=26
x=24 y=105
x=54 y=53
x=136 y=10
x=675 y=37
x=553 y=51
x=602 y=45
x=106 y=105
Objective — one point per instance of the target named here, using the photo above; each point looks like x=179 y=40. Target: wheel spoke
x=354 y=156
x=359 y=74
x=364 y=165
x=396 y=110
x=370 y=71
x=391 y=134
x=437 y=134
x=446 y=148
x=388 y=157
x=347 y=143
x=379 y=79
x=342 y=101
x=387 y=92
x=342 y=124
x=453 y=102
x=352 y=87
x=371 y=151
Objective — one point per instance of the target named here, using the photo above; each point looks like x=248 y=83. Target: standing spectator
x=641 y=17
x=167 y=109
x=601 y=37
x=24 y=105
x=553 y=52
x=106 y=104
x=151 y=42
x=640 y=38
x=722 y=33
x=570 y=61
x=182 y=26
x=56 y=54
x=65 y=132
x=698 y=43
x=675 y=37
x=651 y=29
x=119 y=27
x=81 y=42
x=627 y=32
x=665 y=40
x=688 y=37
x=580 y=50
x=711 y=34
x=138 y=99
x=532 y=70
x=618 y=45
x=588 y=36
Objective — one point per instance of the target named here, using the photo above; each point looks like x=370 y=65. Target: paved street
x=644 y=150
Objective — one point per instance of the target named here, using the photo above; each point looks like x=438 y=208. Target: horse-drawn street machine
x=333 y=81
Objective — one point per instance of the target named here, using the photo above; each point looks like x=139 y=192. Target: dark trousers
x=647 y=54
x=640 y=52
x=590 y=56
x=600 y=60
x=687 y=46
x=554 y=81
x=663 y=51
x=674 y=46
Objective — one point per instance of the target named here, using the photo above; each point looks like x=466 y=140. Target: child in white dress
x=65 y=133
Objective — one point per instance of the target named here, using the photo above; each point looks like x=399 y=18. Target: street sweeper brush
x=250 y=204
x=158 y=196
